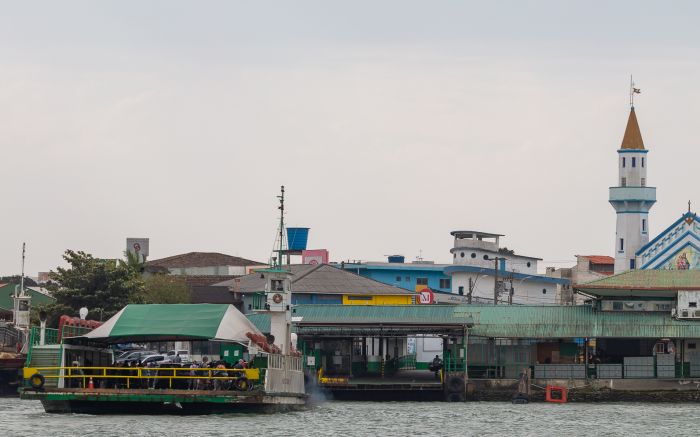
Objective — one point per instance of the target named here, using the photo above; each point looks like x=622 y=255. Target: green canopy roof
x=179 y=322
x=501 y=321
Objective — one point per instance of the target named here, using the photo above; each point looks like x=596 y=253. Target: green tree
x=162 y=288
x=16 y=279
x=101 y=285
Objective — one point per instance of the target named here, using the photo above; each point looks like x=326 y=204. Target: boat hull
x=179 y=402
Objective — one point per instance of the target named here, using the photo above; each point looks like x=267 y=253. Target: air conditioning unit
x=688 y=313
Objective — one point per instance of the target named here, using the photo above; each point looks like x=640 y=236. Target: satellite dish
x=83 y=313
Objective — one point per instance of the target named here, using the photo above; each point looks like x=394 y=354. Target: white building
x=481 y=268
x=632 y=198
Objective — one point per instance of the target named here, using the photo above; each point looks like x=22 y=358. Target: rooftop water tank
x=397 y=259
x=297 y=238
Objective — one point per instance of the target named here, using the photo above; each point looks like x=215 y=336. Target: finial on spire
x=633 y=91
x=689 y=206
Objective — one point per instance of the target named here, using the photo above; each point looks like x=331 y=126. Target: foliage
x=103 y=286
x=132 y=261
x=16 y=279
x=162 y=288
x=506 y=251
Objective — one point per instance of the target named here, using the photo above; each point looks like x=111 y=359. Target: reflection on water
x=27 y=418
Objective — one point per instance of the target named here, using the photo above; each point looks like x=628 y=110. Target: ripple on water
x=386 y=419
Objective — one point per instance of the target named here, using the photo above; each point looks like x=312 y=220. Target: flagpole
x=631 y=92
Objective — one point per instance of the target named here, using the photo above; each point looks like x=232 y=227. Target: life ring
x=37 y=381
x=277 y=298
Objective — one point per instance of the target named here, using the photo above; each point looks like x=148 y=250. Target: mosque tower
x=632 y=198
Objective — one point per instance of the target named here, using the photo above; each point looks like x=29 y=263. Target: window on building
x=421 y=281
x=623 y=182
x=624 y=162
x=529 y=264
x=634 y=162
x=461 y=290
x=445 y=283
x=644 y=225
x=691 y=345
x=544 y=291
x=631 y=264
x=398 y=279
x=692 y=304
x=644 y=182
x=622 y=244
x=473 y=255
x=461 y=254
x=486 y=257
x=642 y=162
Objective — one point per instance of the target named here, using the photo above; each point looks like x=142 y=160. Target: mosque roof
x=632 y=140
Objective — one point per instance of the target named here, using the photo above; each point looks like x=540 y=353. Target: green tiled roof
x=505 y=321
x=650 y=280
x=8 y=290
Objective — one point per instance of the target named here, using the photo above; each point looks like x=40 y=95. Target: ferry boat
x=74 y=372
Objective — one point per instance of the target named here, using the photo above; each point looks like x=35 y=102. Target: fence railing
x=145 y=377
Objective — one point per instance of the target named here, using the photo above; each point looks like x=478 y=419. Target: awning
x=180 y=322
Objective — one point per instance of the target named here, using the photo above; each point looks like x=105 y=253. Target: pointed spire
x=633 y=136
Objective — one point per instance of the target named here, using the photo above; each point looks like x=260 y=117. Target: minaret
x=631 y=198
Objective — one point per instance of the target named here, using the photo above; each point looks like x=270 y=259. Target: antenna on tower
x=280 y=241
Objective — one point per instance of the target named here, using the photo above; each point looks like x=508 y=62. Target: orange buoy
x=91 y=385
x=556 y=394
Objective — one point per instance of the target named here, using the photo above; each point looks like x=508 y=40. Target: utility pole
x=471 y=290
x=495 y=281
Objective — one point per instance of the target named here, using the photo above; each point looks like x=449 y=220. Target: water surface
x=339 y=419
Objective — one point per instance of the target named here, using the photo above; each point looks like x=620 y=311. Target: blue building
x=414 y=276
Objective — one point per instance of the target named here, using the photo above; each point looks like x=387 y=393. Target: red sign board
x=425 y=297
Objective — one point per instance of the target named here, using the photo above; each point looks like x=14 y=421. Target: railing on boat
x=128 y=375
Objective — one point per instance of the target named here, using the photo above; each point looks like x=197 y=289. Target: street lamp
x=472 y=286
x=512 y=289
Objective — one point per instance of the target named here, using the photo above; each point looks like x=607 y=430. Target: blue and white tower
x=632 y=198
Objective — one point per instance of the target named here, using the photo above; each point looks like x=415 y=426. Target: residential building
x=588 y=268
x=203 y=264
x=413 y=276
x=484 y=271
x=319 y=284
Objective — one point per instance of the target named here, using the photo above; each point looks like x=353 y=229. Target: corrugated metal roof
x=600 y=259
x=506 y=321
x=320 y=279
x=646 y=280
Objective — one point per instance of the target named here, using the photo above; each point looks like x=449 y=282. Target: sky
x=390 y=123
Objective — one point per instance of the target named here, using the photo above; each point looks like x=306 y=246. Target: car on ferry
x=137 y=355
x=184 y=355
x=158 y=359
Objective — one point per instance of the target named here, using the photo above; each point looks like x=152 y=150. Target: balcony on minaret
x=632 y=194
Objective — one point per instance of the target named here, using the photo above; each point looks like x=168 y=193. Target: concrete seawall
x=592 y=390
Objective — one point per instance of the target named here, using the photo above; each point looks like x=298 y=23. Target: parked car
x=157 y=358
x=134 y=356
x=184 y=355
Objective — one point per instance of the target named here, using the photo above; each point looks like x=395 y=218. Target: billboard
x=138 y=246
x=316 y=256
